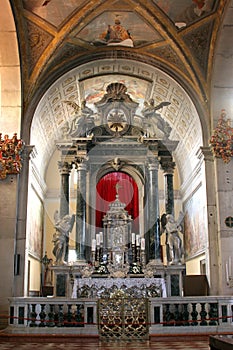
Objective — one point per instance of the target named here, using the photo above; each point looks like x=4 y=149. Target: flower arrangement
x=222 y=139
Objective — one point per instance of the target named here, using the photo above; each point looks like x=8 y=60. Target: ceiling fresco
x=184 y=12
x=50 y=12
x=95 y=88
x=176 y=35
x=161 y=49
x=179 y=11
x=115 y=28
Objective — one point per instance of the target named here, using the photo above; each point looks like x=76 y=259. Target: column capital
x=168 y=167
x=154 y=165
x=205 y=153
x=64 y=167
x=80 y=164
x=27 y=151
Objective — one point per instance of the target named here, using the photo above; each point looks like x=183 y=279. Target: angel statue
x=150 y=108
x=83 y=121
x=153 y=120
x=63 y=228
x=174 y=239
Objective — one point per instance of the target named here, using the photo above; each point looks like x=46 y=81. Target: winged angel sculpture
x=83 y=121
x=154 y=124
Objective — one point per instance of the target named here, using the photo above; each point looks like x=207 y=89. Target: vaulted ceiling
x=64 y=56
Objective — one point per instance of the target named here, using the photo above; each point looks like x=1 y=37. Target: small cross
x=117 y=187
x=229 y=221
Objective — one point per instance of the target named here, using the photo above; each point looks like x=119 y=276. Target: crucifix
x=117 y=186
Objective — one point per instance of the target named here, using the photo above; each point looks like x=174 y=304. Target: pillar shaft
x=81 y=212
x=153 y=217
x=168 y=168
x=64 y=168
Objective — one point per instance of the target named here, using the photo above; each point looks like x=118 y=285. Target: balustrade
x=199 y=314
x=165 y=315
x=53 y=313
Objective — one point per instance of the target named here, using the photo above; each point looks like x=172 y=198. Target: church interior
x=115 y=168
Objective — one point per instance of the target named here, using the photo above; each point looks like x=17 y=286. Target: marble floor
x=90 y=344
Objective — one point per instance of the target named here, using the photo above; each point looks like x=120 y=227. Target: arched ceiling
x=88 y=82
x=171 y=57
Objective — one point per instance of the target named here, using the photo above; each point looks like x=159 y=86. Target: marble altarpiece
x=113 y=255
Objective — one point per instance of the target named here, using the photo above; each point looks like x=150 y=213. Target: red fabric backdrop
x=106 y=193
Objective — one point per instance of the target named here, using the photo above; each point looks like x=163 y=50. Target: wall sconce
x=222 y=139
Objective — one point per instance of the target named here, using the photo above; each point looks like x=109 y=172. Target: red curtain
x=106 y=193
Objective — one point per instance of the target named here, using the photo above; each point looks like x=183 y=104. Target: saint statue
x=63 y=228
x=174 y=240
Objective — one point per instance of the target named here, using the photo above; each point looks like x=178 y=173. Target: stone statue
x=150 y=108
x=83 y=121
x=153 y=122
x=61 y=237
x=174 y=240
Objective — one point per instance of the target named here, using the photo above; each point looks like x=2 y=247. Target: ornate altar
x=117 y=139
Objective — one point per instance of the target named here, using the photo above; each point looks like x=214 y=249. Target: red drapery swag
x=106 y=193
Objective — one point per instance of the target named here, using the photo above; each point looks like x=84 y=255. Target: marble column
x=64 y=169
x=81 y=212
x=168 y=168
x=153 y=217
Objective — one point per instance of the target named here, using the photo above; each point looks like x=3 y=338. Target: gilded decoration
x=222 y=139
x=10 y=155
x=121 y=318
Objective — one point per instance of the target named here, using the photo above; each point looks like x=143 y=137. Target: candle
x=101 y=237
x=98 y=239
x=143 y=243
x=137 y=240
x=133 y=238
x=230 y=266
x=93 y=245
x=227 y=274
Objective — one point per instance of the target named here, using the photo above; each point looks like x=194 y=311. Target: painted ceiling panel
x=50 y=11
x=170 y=37
x=184 y=12
x=96 y=32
